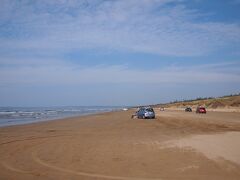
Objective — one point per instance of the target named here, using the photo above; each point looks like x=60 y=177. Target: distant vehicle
x=201 y=110
x=188 y=109
x=145 y=112
x=161 y=108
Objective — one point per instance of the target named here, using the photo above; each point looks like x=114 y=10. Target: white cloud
x=58 y=72
x=151 y=26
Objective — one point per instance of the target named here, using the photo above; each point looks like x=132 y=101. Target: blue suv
x=146 y=112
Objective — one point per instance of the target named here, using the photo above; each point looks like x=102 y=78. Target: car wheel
x=143 y=117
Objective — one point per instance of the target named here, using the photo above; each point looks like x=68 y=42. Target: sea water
x=24 y=115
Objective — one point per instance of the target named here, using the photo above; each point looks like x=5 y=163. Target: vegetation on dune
x=232 y=100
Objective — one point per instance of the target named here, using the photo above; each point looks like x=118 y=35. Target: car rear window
x=149 y=110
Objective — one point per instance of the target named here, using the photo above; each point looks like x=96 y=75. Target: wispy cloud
x=62 y=73
x=163 y=27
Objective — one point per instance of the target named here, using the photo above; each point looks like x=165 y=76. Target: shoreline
x=58 y=118
x=220 y=110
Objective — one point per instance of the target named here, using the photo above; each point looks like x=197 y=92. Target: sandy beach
x=176 y=145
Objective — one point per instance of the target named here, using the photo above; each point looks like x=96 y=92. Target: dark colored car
x=201 y=110
x=146 y=112
x=188 y=109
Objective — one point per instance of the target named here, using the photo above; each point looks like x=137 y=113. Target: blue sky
x=105 y=52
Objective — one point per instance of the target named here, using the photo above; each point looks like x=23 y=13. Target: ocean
x=24 y=115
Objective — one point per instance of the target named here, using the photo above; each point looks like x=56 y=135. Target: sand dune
x=223 y=104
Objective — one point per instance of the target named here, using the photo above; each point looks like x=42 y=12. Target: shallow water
x=23 y=115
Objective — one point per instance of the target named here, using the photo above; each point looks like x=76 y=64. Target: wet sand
x=177 y=145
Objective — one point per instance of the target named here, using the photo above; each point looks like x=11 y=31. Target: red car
x=201 y=110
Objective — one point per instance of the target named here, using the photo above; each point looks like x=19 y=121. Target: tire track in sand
x=17 y=170
x=32 y=138
x=11 y=168
x=79 y=173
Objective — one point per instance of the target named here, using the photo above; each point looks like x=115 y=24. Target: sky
x=117 y=52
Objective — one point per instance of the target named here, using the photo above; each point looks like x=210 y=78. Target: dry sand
x=177 y=145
